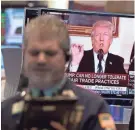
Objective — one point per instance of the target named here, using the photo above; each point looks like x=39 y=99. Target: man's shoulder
x=8 y=102
x=116 y=57
x=92 y=101
x=86 y=96
x=83 y=93
x=87 y=93
x=88 y=54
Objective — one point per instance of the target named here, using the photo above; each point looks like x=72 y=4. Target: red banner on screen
x=98 y=79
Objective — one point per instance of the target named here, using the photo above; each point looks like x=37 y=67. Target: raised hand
x=77 y=53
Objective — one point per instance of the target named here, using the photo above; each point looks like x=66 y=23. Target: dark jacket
x=94 y=105
x=114 y=63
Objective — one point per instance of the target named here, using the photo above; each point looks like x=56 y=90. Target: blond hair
x=103 y=23
x=47 y=27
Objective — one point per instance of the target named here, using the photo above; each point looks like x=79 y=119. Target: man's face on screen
x=102 y=38
x=44 y=62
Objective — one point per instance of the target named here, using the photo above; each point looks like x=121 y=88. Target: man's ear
x=23 y=52
x=23 y=49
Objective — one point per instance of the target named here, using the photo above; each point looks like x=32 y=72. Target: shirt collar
x=49 y=91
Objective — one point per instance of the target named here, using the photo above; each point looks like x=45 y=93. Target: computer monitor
x=11 y=31
x=14 y=26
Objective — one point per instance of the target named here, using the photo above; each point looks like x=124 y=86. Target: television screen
x=101 y=47
x=2 y=27
x=14 y=26
x=12 y=21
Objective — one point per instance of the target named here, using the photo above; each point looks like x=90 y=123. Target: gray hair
x=47 y=27
x=103 y=23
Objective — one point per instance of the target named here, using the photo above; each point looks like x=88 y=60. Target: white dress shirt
x=96 y=61
x=73 y=68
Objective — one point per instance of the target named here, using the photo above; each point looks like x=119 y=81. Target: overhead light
x=30 y=4
x=59 y=4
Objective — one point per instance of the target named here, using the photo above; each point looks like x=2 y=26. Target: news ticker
x=131 y=82
x=132 y=73
x=101 y=79
x=117 y=90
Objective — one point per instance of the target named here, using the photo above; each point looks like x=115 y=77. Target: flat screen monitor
x=2 y=26
x=12 y=21
x=14 y=26
x=101 y=47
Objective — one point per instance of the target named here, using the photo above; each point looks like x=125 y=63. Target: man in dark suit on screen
x=98 y=60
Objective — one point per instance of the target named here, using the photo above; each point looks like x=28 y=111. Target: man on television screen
x=98 y=59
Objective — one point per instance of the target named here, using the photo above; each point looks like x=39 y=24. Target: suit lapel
x=92 y=63
x=108 y=64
